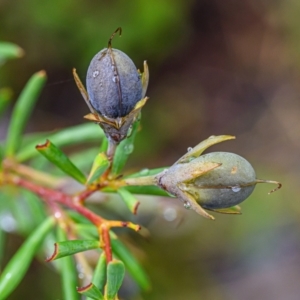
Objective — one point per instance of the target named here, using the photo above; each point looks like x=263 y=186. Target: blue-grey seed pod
x=227 y=185
x=215 y=180
x=113 y=83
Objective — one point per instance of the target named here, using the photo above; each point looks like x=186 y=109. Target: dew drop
x=236 y=188
x=189 y=149
x=128 y=148
x=170 y=214
x=57 y=214
x=95 y=74
x=8 y=276
x=187 y=205
x=129 y=132
x=7 y=222
x=144 y=172
x=79 y=267
x=212 y=136
x=115 y=79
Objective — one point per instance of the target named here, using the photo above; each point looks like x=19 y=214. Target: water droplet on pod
x=189 y=149
x=129 y=132
x=212 y=136
x=187 y=205
x=170 y=214
x=115 y=79
x=128 y=148
x=144 y=172
x=236 y=188
x=7 y=222
x=95 y=74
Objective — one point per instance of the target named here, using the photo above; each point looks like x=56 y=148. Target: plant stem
x=144 y=180
x=50 y=195
x=33 y=174
x=104 y=233
x=112 y=146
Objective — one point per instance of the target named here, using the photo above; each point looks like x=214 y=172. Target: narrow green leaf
x=68 y=272
x=91 y=291
x=104 y=145
x=22 y=111
x=78 y=218
x=83 y=133
x=100 y=165
x=18 y=265
x=20 y=212
x=146 y=172
x=115 y=276
x=70 y=247
x=124 y=150
x=132 y=265
x=5 y=97
x=35 y=206
x=58 y=158
x=142 y=190
x=131 y=202
x=99 y=277
x=9 y=50
x=27 y=210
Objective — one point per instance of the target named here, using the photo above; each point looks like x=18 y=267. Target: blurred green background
x=216 y=67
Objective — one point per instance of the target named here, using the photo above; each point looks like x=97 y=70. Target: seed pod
x=215 y=181
x=115 y=92
x=113 y=83
x=225 y=186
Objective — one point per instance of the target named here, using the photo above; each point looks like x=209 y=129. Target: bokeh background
x=216 y=67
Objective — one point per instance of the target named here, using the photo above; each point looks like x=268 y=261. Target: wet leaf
x=146 y=172
x=124 y=149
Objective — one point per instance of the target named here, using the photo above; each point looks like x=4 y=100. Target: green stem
x=144 y=180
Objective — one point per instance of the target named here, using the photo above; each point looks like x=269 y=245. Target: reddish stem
x=50 y=195
x=106 y=241
x=81 y=197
